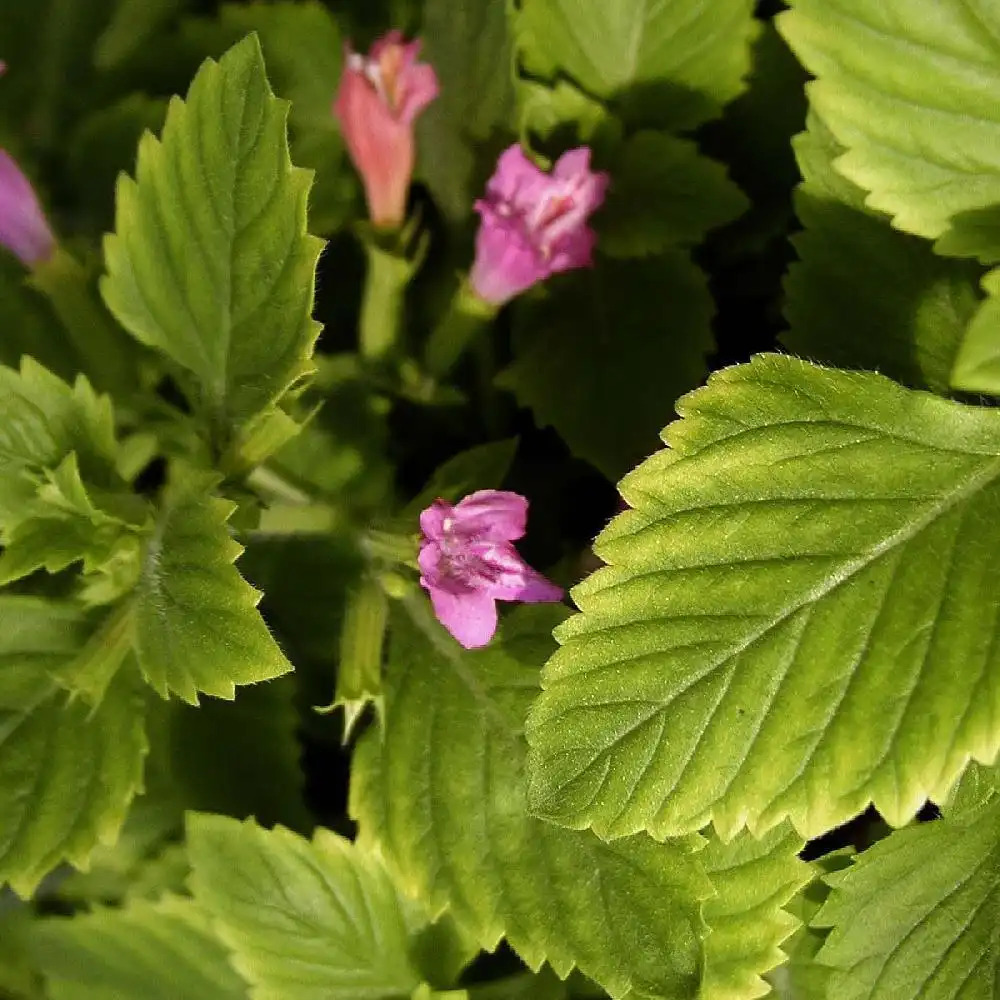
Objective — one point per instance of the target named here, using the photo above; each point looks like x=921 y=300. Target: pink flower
x=379 y=99
x=534 y=224
x=24 y=229
x=468 y=563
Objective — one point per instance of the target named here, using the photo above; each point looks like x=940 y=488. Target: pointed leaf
x=43 y=420
x=629 y=337
x=909 y=88
x=748 y=923
x=664 y=194
x=210 y=261
x=918 y=914
x=441 y=790
x=865 y=295
x=303 y=51
x=673 y=64
x=158 y=951
x=803 y=599
x=977 y=366
x=197 y=628
x=67 y=771
x=305 y=920
x=470 y=49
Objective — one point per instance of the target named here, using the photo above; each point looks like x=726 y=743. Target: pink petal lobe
x=420 y=88
x=492 y=515
x=432 y=519
x=471 y=618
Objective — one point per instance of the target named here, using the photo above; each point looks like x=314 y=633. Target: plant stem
x=389 y=273
x=467 y=315
x=99 y=343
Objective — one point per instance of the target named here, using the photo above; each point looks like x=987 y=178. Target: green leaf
x=30 y=326
x=977 y=365
x=304 y=55
x=240 y=757
x=918 y=914
x=628 y=337
x=977 y=786
x=210 y=262
x=481 y=468
x=19 y=979
x=909 y=88
x=664 y=194
x=196 y=624
x=104 y=145
x=864 y=294
x=469 y=48
x=441 y=790
x=305 y=920
x=158 y=951
x=802 y=600
x=131 y=26
x=753 y=879
x=50 y=75
x=67 y=771
x=671 y=64
x=62 y=526
x=43 y=420
x=801 y=977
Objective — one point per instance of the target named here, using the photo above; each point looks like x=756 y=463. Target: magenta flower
x=468 y=563
x=534 y=224
x=24 y=229
x=379 y=99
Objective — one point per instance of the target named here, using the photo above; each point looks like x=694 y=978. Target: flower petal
x=516 y=181
x=24 y=230
x=432 y=519
x=491 y=515
x=471 y=618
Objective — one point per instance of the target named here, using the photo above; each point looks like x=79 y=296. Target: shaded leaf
x=67 y=771
x=918 y=914
x=909 y=89
x=164 y=950
x=440 y=789
x=864 y=294
x=628 y=337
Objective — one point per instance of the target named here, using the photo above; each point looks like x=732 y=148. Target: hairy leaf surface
x=210 y=262
x=802 y=601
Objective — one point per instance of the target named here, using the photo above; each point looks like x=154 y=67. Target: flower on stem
x=534 y=224
x=467 y=563
x=379 y=99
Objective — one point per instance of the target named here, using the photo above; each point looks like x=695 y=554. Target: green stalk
x=467 y=316
x=99 y=344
